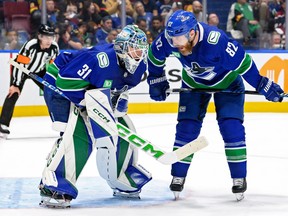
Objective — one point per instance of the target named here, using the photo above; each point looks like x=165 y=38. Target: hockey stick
x=130 y=136
x=250 y=92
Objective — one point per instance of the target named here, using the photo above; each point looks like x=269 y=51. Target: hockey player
x=96 y=81
x=34 y=55
x=210 y=60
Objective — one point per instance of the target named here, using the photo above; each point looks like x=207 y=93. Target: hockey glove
x=272 y=91
x=158 y=87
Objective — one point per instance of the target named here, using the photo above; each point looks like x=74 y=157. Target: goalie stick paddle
x=130 y=136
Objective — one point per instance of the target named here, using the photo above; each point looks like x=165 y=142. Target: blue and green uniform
x=216 y=62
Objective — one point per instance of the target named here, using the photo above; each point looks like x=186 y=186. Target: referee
x=34 y=55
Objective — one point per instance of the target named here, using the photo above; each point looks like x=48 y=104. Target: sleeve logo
x=213 y=37
x=103 y=60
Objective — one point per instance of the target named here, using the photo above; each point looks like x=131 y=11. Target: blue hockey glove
x=272 y=91
x=158 y=87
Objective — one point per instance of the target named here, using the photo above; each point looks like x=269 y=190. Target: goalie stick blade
x=155 y=151
x=185 y=151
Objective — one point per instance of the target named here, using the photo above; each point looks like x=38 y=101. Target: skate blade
x=239 y=196
x=52 y=203
x=3 y=136
x=176 y=195
x=120 y=194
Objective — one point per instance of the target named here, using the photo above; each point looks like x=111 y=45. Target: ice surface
x=208 y=185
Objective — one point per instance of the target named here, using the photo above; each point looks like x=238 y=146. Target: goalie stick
x=130 y=136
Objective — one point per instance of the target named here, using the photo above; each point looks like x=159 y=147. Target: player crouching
x=95 y=82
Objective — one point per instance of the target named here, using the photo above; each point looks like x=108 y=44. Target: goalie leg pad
x=132 y=179
x=57 y=185
x=68 y=156
x=59 y=108
x=100 y=112
x=118 y=165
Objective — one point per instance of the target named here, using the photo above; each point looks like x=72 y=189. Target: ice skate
x=131 y=195
x=177 y=186
x=239 y=187
x=52 y=199
x=4 y=131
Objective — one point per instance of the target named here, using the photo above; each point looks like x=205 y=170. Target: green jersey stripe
x=156 y=62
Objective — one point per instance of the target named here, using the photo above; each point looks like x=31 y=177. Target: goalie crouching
x=96 y=82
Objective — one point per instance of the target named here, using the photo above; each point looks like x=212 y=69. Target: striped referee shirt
x=32 y=57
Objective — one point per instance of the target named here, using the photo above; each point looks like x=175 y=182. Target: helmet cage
x=131 y=46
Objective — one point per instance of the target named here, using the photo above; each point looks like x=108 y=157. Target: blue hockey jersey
x=215 y=62
x=96 y=67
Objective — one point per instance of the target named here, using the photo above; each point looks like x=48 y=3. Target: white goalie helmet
x=131 y=47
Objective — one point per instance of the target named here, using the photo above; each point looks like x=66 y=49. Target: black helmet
x=46 y=30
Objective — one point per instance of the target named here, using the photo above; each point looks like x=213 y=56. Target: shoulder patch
x=176 y=54
x=103 y=59
x=213 y=37
x=107 y=83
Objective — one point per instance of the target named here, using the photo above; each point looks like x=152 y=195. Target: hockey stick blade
x=154 y=151
x=183 y=152
x=130 y=136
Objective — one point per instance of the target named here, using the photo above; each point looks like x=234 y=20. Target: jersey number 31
x=84 y=72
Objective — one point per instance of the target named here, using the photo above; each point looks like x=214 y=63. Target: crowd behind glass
x=85 y=23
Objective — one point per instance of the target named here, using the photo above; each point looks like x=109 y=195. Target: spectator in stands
x=68 y=38
x=279 y=17
x=71 y=12
x=52 y=13
x=213 y=19
x=111 y=6
x=150 y=6
x=110 y=37
x=157 y=26
x=276 y=42
x=187 y=5
x=164 y=7
x=35 y=17
x=84 y=34
x=243 y=20
x=116 y=18
x=10 y=41
x=140 y=13
x=90 y=13
x=177 y=5
x=106 y=27
x=261 y=12
x=142 y=24
x=197 y=10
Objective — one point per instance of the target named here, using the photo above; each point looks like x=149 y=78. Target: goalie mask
x=131 y=47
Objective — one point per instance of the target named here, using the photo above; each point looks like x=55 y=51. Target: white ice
x=208 y=185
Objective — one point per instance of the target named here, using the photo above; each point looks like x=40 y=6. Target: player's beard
x=187 y=48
